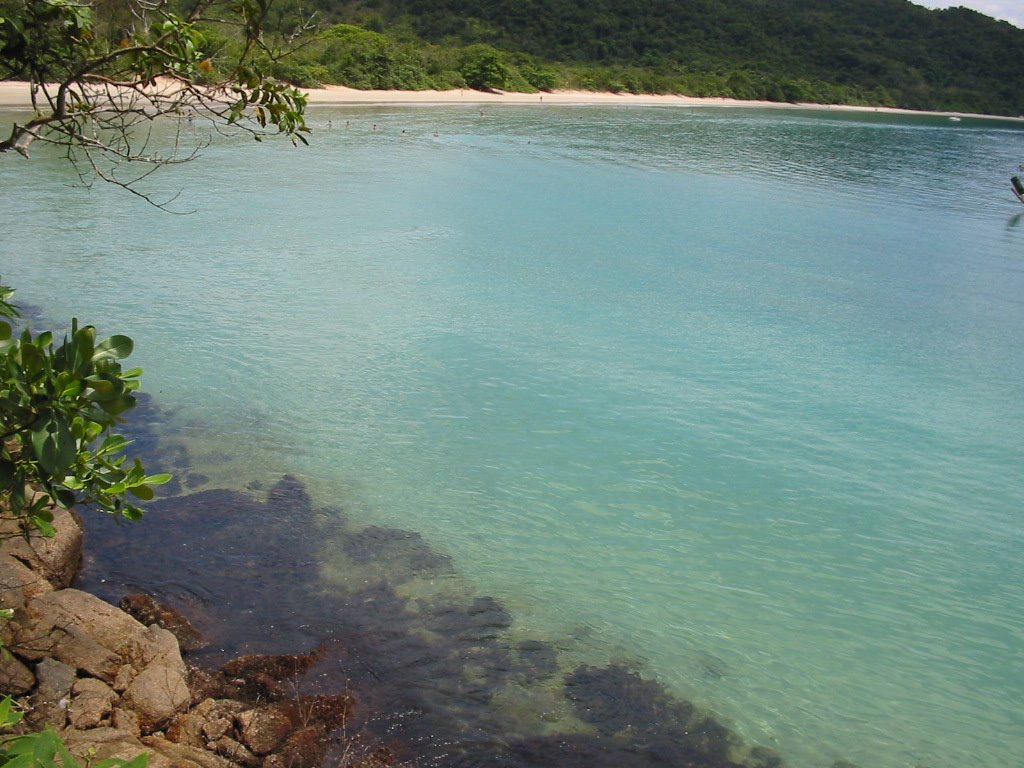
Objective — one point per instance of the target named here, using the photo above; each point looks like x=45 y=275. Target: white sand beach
x=17 y=95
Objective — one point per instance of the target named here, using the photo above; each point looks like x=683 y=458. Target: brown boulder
x=124 y=678
x=267 y=677
x=110 y=627
x=92 y=635
x=56 y=559
x=15 y=678
x=125 y=720
x=92 y=703
x=156 y=694
x=101 y=743
x=303 y=749
x=153 y=645
x=149 y=611
x=182 y=756
x=18 y=582
x=51 y=636
x=53 y=694
x=237 y=753
x=190 y=728
x=264 y=730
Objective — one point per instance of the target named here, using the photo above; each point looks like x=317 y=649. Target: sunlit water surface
x=733 y=396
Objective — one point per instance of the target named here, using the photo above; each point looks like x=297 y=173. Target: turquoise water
x=735 y=396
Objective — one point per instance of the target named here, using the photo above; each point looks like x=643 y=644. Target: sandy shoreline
x=15 y=95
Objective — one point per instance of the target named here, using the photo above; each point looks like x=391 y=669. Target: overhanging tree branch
x=96 y=79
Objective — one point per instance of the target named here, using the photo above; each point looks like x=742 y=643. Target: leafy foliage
x=883 y=52
x=483 y=68
x=102 y=70
x=58 y=405
x=45 y=749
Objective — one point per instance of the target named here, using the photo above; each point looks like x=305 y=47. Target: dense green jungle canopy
x=887 y=52
x=880 y=52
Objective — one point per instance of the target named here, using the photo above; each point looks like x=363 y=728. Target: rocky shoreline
x=440 y=681
x=113 y=685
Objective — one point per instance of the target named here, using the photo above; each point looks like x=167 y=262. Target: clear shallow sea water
x=733 y=396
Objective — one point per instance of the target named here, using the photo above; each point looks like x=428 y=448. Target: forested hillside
x=862 y=51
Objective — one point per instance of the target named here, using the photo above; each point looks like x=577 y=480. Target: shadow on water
x=438 y=675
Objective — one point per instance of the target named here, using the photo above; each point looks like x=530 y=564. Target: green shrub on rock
x=58 y=405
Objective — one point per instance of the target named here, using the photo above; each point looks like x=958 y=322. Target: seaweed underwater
x=439 y=678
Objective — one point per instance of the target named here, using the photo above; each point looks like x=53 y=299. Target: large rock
x=305 y=748
x=264 y=730
x=205 y=722
x=153 y=645
x=15 y=678
x=46 y=635
x=193 y=728
x=234 y=751
x=92 y=635
x=92 y=703
x=182 y=756
x=56 y=559
x=18 y=582
x=103 y=743
x=157 y=694
x=125 y=720
x=109 y=626
x=53 y=694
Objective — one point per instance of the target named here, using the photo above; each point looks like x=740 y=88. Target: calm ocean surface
x=732 y=396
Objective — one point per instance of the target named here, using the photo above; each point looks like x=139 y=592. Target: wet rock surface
x=114 y=687
x=146 y=610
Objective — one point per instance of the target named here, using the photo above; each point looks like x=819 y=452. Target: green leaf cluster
x=79 y=51
x=58 y=405
x=45 y=749
x=270 y=102
x=883 y=52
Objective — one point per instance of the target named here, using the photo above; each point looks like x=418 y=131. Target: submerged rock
x=267 y=677
x=395 y=548
x=614 y=699
x=148 y=611
x=289 y=495
x=538 y=660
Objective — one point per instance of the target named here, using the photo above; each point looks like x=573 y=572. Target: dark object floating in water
x=1018 y=187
